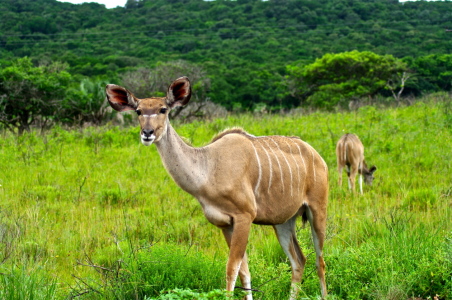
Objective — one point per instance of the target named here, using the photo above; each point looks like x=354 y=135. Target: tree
x=336 y=78
x=86 y=102
x=29 y=93
x=434 y=72
x=398 y=82
x=146 y=82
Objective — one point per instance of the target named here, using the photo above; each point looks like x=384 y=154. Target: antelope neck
x=186 y=165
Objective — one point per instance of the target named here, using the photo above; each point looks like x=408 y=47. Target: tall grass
x=27 y=284
x=92 y=213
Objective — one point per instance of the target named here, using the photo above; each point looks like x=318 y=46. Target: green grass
x=92 y=213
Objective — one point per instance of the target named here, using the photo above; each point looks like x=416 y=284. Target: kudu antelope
x=240 y=179
x=350 y=154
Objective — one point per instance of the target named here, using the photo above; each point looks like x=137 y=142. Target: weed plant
x=92 y=214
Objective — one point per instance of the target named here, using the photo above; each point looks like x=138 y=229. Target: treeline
x=247 y=53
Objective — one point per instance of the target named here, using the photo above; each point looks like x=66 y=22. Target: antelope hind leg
x=317 y=219
x=288 y=240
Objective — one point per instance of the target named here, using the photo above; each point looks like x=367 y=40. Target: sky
x=108 y=3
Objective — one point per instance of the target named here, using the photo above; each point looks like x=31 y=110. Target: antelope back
x=350 y=151
x=287 y=168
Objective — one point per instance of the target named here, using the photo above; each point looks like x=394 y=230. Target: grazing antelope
x=350 y=154
x=240 y=179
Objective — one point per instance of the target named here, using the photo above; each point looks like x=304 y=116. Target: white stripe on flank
x=260 y=170
x=277 y=160
x=325 y=166
x=344 y=150
x=313 y=164
x=304 y=164
x=270 y=167
x=298 y=167
x=288 y=165
x=313 y=161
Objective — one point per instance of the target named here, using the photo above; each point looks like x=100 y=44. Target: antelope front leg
x=339 y=170
x=237 y=238
x=352 y=178
x=360 y=180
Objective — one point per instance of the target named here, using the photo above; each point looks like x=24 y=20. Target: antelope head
x=152 y=112
x=368 y=174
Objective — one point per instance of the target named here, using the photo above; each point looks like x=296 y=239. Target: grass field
x=92 y=214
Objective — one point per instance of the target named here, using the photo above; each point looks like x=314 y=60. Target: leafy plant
x=181 y=294
x=29 y=93
x=334 y=78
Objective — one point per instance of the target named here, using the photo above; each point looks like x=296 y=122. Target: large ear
x=120 y=98
x=373 y=169
x=179 y=92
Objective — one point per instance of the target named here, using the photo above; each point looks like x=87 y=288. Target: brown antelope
x=240 y=179
x=350 y=154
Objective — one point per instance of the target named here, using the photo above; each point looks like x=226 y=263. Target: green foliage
x=180 y=294
x=167 y=267
x=29 y=92
x=433 y=72
x=243 y=45
x=162 y=270
x=86 y=102
x=335 y=78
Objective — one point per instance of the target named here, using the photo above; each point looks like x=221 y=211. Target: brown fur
x=350 y=154
x=240 y=179
x=236 y=130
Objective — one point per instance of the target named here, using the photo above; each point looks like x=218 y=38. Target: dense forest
x=241 y=54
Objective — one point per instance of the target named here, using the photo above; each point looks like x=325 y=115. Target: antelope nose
x=148 y=132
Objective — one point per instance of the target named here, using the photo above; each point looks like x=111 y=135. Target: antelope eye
x=138 y=112
x=163 y=110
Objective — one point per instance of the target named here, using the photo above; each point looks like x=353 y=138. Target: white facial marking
x=147 y=141
x=149 y=116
